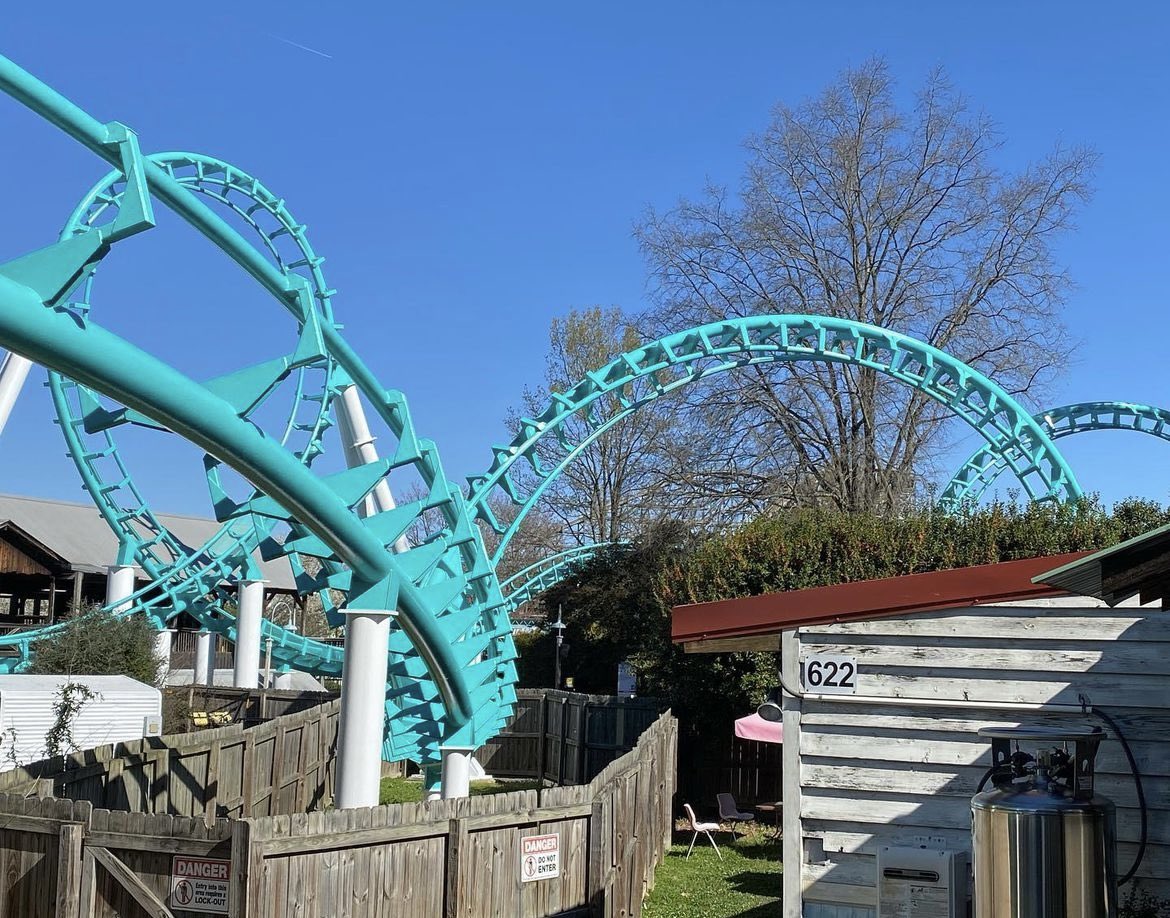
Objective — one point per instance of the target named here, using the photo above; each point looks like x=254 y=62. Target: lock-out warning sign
x=201 y=884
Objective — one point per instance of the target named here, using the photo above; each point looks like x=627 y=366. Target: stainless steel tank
x=1044 y=845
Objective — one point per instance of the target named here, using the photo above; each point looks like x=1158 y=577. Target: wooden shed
x=895 y=760
x=54 y=555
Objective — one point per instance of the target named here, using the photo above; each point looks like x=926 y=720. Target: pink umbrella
x=754 y=727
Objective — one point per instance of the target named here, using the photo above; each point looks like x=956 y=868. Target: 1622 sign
x=829 y=674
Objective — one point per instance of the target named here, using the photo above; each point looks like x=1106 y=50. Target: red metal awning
x=773 y=613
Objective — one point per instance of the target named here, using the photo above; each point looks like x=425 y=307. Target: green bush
x=618 y=606
x=100 y=644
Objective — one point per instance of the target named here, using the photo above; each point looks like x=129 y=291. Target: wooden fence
x=751 y=771
x=65 y=859
x=282 y=766
x=248 y=706
x=564 y=737
x=450 y=858
x=463 y=857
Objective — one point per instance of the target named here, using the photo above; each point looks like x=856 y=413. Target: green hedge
x=810 y=548
x=618 y=606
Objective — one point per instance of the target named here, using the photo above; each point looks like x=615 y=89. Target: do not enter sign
x=540 y=857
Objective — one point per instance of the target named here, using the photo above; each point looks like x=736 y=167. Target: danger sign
x=540 y=857
x=200 y=884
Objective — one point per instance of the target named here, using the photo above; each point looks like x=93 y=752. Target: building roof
x=1140 y=565
x=78 y=535
x=754 y=622
x=46 y=686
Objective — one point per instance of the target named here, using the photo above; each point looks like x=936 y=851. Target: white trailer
x=120 y=709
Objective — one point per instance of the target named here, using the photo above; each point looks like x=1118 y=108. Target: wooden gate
x=63 y=858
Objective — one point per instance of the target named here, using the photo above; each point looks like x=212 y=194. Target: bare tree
x=539 y=536
x=606 y=491
x=853 y=207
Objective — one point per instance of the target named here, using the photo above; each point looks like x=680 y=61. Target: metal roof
x=80 y=537
x=770 y=614
x=1140 y=565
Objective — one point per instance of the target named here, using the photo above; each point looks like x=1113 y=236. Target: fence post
x=542 y=748
x=582 y=719
x=456 y=887
x=69 y=870
x=247 y=864
x=564 y=742
x=596 y=868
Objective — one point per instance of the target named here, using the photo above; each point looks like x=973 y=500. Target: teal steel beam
x=546 y=573
x=984 y=467
x=610 y=393
x=114 y=367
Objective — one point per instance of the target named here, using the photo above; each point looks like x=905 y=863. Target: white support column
x=456 y=771
x=119 y=585
x=359 y=447
x=204 y=672
x=793 y=898
x=162 y=649
x=432 y=776
x=13 y=373
x=249 y=617
x=363 y=707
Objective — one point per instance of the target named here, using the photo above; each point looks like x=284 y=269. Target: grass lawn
x=410 y=790
x=745 y=883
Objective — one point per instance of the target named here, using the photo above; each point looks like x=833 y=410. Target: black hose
x=1141 y=794
x=986 y=777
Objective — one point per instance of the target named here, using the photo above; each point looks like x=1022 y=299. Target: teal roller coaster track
x=451 y=669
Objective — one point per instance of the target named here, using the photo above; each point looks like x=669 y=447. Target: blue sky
x=471 y=171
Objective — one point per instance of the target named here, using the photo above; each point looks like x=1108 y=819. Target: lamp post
x=559 y=627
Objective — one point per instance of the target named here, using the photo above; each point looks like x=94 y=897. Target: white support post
x=794 y=859
x=433 y=782
x=162 y=649
x=249 y=617
x=456 y=771
x=358 y=444
x=119 y=585
x=204 y=672
x=13 y=373
x=363 y=707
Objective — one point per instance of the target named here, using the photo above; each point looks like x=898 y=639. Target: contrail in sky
x=295 y=44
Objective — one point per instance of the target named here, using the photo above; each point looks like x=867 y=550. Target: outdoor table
x=772 y=813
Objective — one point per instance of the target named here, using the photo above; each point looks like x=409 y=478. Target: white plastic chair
x=729 y=812
x=705 y=827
